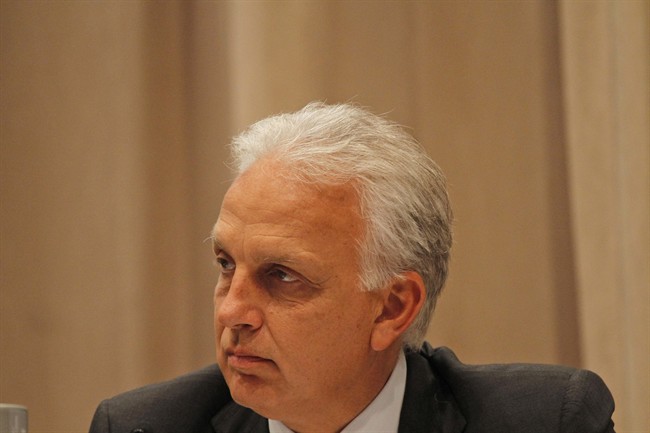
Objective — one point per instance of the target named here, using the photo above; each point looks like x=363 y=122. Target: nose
x=238 y=306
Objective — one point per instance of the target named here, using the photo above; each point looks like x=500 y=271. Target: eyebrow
x=216 y=245
x=282 y=259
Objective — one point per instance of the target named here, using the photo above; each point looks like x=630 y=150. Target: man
x=332 y=246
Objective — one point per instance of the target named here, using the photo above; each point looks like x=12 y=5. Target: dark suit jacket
x=442 y=396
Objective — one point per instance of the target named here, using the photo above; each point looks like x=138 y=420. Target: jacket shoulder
x=186 y=403
x=525 y=397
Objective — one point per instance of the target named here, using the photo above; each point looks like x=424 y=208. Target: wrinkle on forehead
x=277 y=191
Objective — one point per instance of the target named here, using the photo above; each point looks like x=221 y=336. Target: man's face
x=292 y=323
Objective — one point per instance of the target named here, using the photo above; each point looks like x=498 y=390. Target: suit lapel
x=428 y=405
x=233 y=418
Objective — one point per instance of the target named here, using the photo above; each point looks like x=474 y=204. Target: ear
x=402 y=301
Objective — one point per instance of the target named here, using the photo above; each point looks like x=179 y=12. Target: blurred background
x=115 y=120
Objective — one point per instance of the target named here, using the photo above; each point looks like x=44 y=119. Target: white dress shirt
x=381 y=415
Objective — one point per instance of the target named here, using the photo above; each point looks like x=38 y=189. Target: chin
x=261 y=405
x=251 y=392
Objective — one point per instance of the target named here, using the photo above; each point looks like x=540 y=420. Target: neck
x=332 y=417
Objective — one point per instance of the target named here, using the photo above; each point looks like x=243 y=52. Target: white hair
x=403 y=195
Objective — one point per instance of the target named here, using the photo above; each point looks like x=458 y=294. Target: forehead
x=265 y=197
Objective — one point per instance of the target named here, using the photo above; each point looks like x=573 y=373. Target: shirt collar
x=381 y=415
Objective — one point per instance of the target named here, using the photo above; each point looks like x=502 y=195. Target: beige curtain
x=115 y=117
x=606 y=52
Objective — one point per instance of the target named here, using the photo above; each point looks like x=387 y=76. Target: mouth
x=244 y=360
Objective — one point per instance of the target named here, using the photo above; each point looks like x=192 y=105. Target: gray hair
x=403 y=195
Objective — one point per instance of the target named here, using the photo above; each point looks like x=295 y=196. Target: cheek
x=218 y=328
x=215 y=309
x=314 y=336
x=324 y=355
x=215 y=299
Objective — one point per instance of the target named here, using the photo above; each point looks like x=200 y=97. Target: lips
x=245 y=360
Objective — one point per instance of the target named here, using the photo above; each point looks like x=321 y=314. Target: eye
x=224 y=263
x=288 y=285
x=283 y=275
